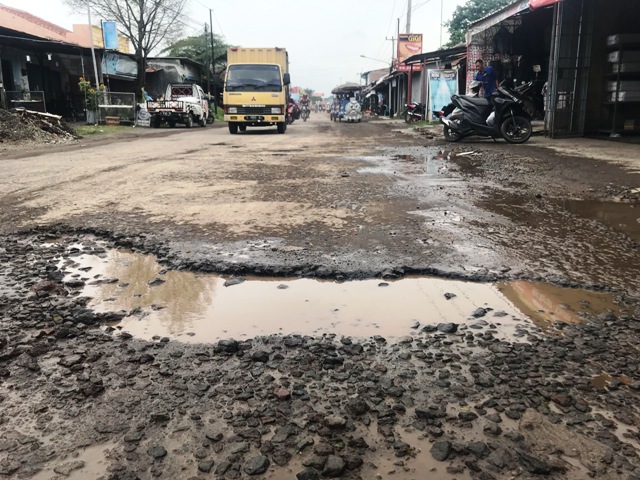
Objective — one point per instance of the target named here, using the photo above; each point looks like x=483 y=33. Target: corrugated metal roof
x=498 y=16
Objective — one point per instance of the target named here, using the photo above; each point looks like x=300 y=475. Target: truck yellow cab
x=256 y=88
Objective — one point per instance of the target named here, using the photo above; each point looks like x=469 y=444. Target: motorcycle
x=293 y=113
x=504 y=115
x=305 y=113
x=413 y=112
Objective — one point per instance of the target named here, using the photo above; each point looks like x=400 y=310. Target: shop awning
x=497 y=17
x=533 y=4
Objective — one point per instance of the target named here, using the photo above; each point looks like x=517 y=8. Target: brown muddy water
x=623 y=217
x=199 y=308
x=91 y=462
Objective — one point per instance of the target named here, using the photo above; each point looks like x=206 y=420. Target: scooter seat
x=477 y=101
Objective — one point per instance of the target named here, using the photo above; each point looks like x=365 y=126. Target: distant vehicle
x=305 y=112
x=413 y=112
x=346 y=105
x=255 y=88
x=184 y=103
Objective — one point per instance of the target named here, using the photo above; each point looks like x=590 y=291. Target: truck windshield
x=247 y=78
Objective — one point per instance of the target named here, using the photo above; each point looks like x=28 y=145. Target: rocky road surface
x=81 y=399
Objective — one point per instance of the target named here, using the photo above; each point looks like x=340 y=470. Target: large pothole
x=203 y=308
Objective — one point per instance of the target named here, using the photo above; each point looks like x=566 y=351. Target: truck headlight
x=276 y=110
x=232 y=110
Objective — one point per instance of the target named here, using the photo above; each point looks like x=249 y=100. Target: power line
x=420 y=5
x=214 y=16
x=383 y=43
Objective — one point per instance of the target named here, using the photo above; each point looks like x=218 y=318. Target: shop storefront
x=583 y=57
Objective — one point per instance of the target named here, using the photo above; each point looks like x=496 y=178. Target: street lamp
x=370 y=58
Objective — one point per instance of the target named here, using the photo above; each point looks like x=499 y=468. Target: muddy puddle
x=205 y=308
x=91 y=462
x=546 y=304
x=422 y=161
x=623 y=217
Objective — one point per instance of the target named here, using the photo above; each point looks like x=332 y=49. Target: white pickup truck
x=184 y=103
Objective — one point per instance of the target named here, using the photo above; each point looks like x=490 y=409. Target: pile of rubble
x=26 y=126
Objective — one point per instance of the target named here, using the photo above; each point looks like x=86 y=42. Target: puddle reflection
x=623 y=217
x=199 y=308
x=546 y=304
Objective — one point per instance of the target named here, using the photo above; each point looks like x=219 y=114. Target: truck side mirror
x=287 y=79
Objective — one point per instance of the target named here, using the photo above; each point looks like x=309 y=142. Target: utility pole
x=409 y=16
x=93 y=56
x=213 y=62
x=93 y=51
x=398 y=92
x=393 y=52
x=441 y=9
x=206 y=27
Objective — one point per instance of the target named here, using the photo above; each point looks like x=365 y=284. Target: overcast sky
x=325 y=38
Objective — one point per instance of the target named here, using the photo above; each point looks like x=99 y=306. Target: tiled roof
x=21 y=21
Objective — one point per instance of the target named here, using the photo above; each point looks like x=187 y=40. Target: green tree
x=198 y=49
x=465 y=15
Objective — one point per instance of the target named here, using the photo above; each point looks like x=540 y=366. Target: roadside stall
x=583 y=57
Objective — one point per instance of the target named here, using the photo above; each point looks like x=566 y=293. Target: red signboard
x=533 y=4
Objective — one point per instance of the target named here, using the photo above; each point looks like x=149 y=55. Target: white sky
x=324 y=38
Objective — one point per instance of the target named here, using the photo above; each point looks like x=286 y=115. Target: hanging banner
x=116 y=64
x=533 y=4
x=110 y=35
x=442 y=85
x=409 y=44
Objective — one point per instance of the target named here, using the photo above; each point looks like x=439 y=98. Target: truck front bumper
x=255 y=119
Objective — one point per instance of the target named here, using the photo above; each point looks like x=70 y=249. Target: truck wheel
x=155 y=122
x=233 y=128
x=282 y=127
x=172 y=124
x=188 y=122
x=203 y=121
x=242 y=128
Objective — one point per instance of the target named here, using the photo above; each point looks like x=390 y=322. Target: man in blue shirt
x=486 y=75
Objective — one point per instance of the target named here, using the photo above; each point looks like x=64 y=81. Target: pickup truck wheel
x=188 y=122
x=233 y=128
x=282 y=127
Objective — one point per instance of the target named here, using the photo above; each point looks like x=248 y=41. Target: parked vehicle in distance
x=255 y=88
x=413 y=112
x=184 y=103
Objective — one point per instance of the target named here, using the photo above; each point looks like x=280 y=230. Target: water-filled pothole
x=624 y=217
x=200 y=308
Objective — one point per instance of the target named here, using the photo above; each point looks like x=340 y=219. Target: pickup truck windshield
x=251 y=78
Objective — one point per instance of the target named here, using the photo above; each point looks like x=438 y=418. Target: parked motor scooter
x=413 y=112
x=501 y=116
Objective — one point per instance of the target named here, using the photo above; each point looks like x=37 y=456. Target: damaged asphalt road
x=81 y=398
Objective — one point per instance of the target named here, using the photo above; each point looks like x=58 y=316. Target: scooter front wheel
x=451 y=135
x=516 y=129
